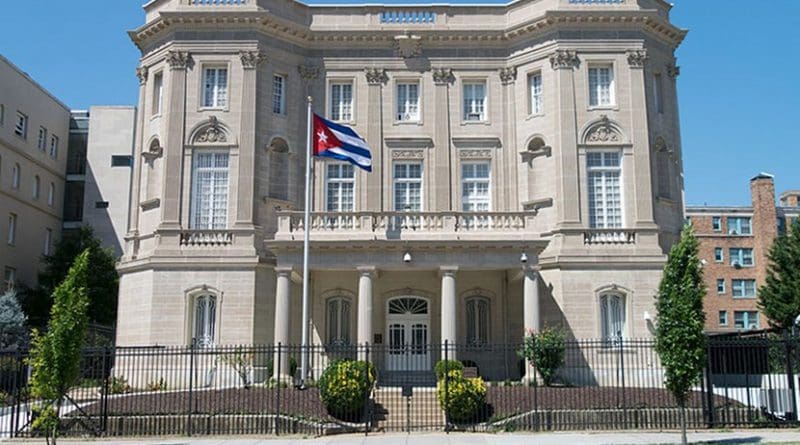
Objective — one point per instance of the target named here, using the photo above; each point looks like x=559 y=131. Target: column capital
x=443 y=76
x=508 y=75
x=284 y=271
x=564 y=59
x=252 y=59
x=376 y=76
x=673 y=70
x=370 y=271
x=178 y=60
x=308 y=72
x=446 y=271
x=637 y=57
x=141 y=73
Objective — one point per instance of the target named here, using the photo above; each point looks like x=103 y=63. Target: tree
x=56 y=354
x=13 y=333
x=779 y=297
x=102 y=284
x=680 y=340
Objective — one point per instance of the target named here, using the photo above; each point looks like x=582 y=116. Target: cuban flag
x=339 y=142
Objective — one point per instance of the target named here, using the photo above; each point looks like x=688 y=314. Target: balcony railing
x=206 y=238
x=394 y=225
x=408 y=17
x=218 y=2
x=609 y=236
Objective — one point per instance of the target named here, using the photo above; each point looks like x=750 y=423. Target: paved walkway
x=626 y=437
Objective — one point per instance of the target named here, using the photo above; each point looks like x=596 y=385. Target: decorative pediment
x=603 y=132
x=211 y=132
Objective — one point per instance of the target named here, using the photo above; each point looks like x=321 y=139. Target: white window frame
x=215 y=95
x=719 y=255
x=338 y=320
x=601 y=220
x=474 y=108
x=48 y=241
x=158 y=93
x=595 y=85
x=279 y=93
x=41 y=142
x=738 y=224
x=51 y=195
x=747 y=323
x=196 y=198
x=716 y=223
x=477 y=314
x=741 y=290
x=339 y=182
x=608 y=302
x=36 y=187
x=10 y=278
x=743 y=256
x=339 y=110
x=54 y=146
x=720 y=286
x=407 y=110
x=723 y=318
x=472 y=203
x=408 y=180
x=11 y=235
x=21 y=127
x=204 y=336
x=535 y=93
x=16 y=174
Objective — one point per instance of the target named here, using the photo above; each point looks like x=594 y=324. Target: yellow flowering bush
x=464 y=398
x=344 y=387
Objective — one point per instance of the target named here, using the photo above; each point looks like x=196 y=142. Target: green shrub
x=344 y=387
x=545 y=351
x=443 y=366
x=118 y=385
x=463 y=398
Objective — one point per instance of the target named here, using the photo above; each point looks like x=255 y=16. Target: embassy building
x=526 y=173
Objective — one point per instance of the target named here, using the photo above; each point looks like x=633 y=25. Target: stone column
x=568 y=212
x=173 y=142
x=442 y=154
x=640 y=136
x=376 y=78
x=364 y=326
x=245 y=208
x=133 y=225
x=282 y=313
x=448 y=319
x=531 y=309
x=507 y=161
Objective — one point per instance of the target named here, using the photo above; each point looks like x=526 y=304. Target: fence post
x=191 y=385
x=446 y=388
x=278 y=384
x=622 y=376
x=790 y=375
x=107 y=353
x=368 y=400
x=709 y=387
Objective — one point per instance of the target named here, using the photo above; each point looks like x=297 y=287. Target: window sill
x=414 y=122
x=534 y=116
x=611 y=107
x=155 y=116
x=745 y=298
x=223 y=109
x=481 y=122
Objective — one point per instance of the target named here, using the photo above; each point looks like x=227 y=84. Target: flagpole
x=306 y=232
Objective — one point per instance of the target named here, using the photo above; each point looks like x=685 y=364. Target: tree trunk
x=683 y=423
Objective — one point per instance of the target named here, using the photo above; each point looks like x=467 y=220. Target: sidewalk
x=788 y=436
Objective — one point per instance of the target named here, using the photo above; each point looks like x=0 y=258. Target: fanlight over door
x=408 y=325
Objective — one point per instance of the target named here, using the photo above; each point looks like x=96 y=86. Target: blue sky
x=739 y=86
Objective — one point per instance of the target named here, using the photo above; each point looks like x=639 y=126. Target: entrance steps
x=395 y=412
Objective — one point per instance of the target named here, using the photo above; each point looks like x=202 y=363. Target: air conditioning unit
x=736 y=265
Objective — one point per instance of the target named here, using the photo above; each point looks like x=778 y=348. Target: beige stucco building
x=527 y=172
x=33 y=134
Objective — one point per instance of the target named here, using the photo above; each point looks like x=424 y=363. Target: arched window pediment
x=211 y=132
x=603 y=131
x=408 y=306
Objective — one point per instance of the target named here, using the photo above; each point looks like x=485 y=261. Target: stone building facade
x=734 y=243
x=527 y=172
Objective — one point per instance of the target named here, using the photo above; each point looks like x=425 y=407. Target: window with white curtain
x=475 y=101
x=408 y=101
x=158 y=92
x=612 y=317
x=54 y=146
x=215 y=87
x=407 y=183
x=279 y=94
x=475 y=185
x=341 y=101
x=339 y=184
x=48 y=241
x=477 y=317
x=15 y=174
x=601 y=86
x=205 y=320
x=536 y=93
x=51 y=195
x=209 y=191
x=605 y=194
x=338 y=321
x=37 y=184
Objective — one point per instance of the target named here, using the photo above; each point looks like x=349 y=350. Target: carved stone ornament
x=564 y=59
x=376 y=76
x=141 y=73
x=252 y=59
x=308 y=72
x=603 y=132
x=407 y=46
x=673 y=70
x=443 y=76
x=212 y=133
x=407 y=154
x=637 y=58
x=508 y=75
x=475 y=154
x=178 y=60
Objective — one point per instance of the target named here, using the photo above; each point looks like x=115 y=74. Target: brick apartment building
x=734 y=243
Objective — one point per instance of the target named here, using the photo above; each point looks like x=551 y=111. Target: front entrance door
x=407 y=332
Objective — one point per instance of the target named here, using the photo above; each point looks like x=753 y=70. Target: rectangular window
x=342 y=101
x=536 y=93
x=739 y=226
x=54 y=146
x=475 y=181
x=215 y=87
x=604 y=183
x=743 y=289
x=41 y=143
x=719 y=255
x=121 y=160
x=658 y=92
x=723 y=318
x=48 y=241
x=741 y=257
x=339 y=186
x=21 y=127
x=210 y=191
x=716 y=224
x=279 y=94
x=11 y=239
x=720 y=285
x=407 y=181
x=158 y=93
x=408 y=102
x=601 y=86
x=10 y=278
x=475 y=101
x=745 y=319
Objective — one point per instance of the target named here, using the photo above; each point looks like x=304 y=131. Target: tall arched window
x=205 y=320
x=338 y=321
x=612 y=317
x=51 y=195
x=37 y=183
x=15 y=174
x=477 y=317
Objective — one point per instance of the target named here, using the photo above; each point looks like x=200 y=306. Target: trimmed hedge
x=464 y=399
x=344 y=388
x=443 y=366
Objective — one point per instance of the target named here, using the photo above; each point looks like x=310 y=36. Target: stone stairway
x=393 y=412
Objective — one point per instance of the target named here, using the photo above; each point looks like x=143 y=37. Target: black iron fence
x=127 y=391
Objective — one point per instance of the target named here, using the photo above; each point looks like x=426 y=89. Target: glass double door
x=408 y=343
